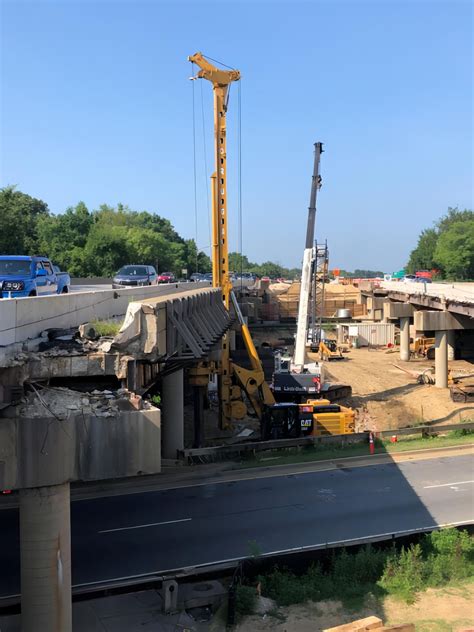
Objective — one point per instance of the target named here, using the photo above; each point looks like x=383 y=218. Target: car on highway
x=196 y=276
x=166 y=277
x=21 y=276
x=133 y=275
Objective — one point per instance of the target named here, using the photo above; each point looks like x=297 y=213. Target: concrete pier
x=441 y=359
x=451 y=344
x=404 y=339
x=172 y=423
x=45 y=540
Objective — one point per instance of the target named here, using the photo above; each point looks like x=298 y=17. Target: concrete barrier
x=25 y=318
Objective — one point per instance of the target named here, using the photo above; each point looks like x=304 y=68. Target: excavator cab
x=281 y=421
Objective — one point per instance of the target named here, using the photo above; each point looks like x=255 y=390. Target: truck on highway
x=31 y=276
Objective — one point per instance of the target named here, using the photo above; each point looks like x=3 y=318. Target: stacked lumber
x=371 y=623
x=282 y=301
x=338 y=296
x=288 y=302
x=359 y=310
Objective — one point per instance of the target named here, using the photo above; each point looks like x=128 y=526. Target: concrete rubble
x=63 y=403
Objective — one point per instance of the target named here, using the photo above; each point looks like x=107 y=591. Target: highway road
x=136 y=534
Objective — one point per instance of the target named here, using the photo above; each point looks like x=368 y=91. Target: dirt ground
x=388 y=398
x=445 y=610
x=384 y=396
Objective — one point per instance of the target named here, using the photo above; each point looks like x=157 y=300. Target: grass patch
x=106 y=327
x=440 y=559
x=308 y=454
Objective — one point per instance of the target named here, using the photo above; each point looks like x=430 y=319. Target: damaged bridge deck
x=157 y=333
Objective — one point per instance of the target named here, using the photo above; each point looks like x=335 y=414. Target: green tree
x=453 y=216
x=445 y=246
x=422 y=257
x=107 y=249
x=19 y=215
x=63 y=237
x=455 y=250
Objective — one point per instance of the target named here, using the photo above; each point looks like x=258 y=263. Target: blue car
x=30 y=276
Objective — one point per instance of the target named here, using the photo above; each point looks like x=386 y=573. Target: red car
x=166 y=277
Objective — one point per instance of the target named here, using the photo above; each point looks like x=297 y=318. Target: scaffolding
x=320 y=272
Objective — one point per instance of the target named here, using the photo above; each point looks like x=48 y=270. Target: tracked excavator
x=239 y=387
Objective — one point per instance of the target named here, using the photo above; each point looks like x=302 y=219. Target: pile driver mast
x=232 y=378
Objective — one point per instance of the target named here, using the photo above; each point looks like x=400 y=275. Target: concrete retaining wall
x=24 y=318
x=47 y=451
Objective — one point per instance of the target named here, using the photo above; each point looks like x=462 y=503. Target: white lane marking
x=324 y=545
x=144 y=526
x=447 y=484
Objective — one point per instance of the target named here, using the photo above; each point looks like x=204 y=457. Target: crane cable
x=195 y=180
x=206 y=183
x=239 y=177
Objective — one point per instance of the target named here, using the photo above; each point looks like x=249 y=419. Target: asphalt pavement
x=136 y=534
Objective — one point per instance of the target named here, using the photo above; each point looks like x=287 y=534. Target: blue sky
x=97 y=106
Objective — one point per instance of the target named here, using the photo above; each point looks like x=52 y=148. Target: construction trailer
x=367 y=334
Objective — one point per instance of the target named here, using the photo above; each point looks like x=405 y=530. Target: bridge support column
x=198 y=393
x=441 y=359
x=404 y=339
x=451 y=343
x=172 y=423
x=45 y=540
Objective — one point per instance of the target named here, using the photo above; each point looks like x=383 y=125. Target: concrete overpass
x=46 y=442
x=456 y=298
x=440 y=309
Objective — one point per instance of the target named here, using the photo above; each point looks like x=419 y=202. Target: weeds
x=246 y=600
x=106 y=327
x=441 y=557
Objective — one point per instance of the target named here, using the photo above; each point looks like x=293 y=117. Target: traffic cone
x=371 y=443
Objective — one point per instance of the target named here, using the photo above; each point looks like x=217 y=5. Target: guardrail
x=331 y=440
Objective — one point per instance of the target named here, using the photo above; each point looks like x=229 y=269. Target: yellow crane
x=232 y=379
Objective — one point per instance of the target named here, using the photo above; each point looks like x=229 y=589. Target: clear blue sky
x=97 y=106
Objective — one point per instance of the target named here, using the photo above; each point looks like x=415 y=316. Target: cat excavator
x=237 y=385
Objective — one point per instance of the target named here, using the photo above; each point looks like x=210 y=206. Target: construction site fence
x=216 y=452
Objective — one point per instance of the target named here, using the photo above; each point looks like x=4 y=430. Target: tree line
x=98 y=242
x=240 y=263
x=447 y=247
x=94 y=243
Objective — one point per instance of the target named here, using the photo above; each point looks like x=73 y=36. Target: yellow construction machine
x=330 y=350
x=277 y=420
x=330 y=418
x=423 y=347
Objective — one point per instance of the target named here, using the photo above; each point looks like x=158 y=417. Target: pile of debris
x=62 y=403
